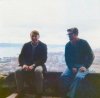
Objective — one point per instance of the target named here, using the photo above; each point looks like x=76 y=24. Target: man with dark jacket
x=32 y=63
x=78 y=58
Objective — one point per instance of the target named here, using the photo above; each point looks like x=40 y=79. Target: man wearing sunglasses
x=78 y=58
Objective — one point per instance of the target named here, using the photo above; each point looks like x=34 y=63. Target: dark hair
x=73 y=30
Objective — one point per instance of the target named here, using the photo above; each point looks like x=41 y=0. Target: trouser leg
x=38 y=77
x=66 y=79
x=79 y=76
x=19 y=80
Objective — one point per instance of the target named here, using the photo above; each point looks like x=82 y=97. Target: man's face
x=35 y=38
x=72 y=36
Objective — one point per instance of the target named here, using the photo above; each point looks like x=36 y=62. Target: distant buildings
x=55 y=62
x=7 y=59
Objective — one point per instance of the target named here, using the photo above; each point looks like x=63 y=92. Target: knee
x=18 y=71
x=63 y=77
x=38 y=70
x=80 y=77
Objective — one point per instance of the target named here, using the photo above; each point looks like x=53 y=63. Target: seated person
x=32 y=63
x=78 y=57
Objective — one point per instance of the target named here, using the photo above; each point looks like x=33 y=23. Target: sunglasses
x=70 y=34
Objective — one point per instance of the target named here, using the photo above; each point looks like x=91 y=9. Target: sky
x=51 y=18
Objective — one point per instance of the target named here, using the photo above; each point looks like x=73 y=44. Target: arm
x=89 y=56
x=42 y=57
x=21 y=58
x=68 y=61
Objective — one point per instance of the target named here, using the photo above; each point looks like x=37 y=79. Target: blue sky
x=51 y=18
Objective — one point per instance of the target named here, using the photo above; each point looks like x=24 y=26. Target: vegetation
x=4 y=91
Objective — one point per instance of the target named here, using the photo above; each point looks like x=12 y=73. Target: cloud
x=50 y=17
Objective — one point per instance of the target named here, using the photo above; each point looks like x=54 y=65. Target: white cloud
x=50 y=17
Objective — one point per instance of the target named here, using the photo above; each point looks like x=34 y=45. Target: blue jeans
x=69 y=81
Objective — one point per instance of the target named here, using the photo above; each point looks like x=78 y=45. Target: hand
x=74 y=70
x=25 y=67
x=82 y=69
x=31 y=67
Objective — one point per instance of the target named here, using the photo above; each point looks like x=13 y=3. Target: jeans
x=69 y=82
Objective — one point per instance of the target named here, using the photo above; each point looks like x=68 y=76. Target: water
x=14 y=51
x=55 y=57
x=9 y=51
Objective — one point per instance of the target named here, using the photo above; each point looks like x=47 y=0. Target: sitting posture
x=32 y=63
x=78 y=57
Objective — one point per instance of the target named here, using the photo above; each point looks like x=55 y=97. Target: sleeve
x=43 y=56
x=89 y=56
x=21 y=58
x=68 y=61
